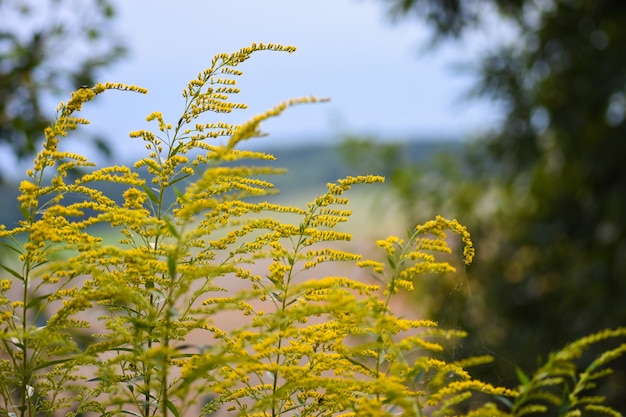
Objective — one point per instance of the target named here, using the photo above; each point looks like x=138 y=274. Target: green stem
x=26 y=374
x=24 y=342
x=165 y=365
x=283 y=306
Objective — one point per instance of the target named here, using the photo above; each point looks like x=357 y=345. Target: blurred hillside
x=313 y=166
x=310 y=168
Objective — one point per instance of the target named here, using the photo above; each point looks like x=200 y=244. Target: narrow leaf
x=36 y=301
x=171 y=265
x=170 y=227
x=419 y=375
x=172 y=408
x=132 y=413
x=11 y=271
x=11 y=247
x=150 y=194
x=178 y=180
x=522 y=377
x=152 y=164
x=25 y=213
x=50 y=363
x=357 y=363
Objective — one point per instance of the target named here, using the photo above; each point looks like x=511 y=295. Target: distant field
x=374 y=215
x=309 y=169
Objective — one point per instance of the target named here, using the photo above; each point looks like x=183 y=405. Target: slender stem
x=164 y=367
x=26 y=374
x=24 y=342
x=283 y=306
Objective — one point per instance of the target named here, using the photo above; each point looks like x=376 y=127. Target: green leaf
x=172 y=408
x=272 y=280
x=522 y=377
x=184 y=355
x=418 y=375
x=132 y=413
x=293 y=300
x=179 y=194
x=36 y=301
x=378 y=279
x=178 y=180
x=152 y=164
x=357 y=363
x=506 y=401
x=11 y=247
x=170 y=227
x=50 y=363
x=177 y=148
x=25 y=213
x=122 y=349
x=11 y=271
x=171 y=265
x=382 y=356
x=150 y=194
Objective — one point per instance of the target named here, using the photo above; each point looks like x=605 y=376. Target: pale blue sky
x=373 y=71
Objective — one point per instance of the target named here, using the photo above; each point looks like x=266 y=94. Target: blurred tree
x=553 y=266
x=48 y=47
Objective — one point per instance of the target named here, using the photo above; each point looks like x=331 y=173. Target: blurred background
x=505 y=114
x=381 y=76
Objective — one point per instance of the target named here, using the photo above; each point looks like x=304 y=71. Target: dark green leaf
x=50 y=363
x=11 y=271
x=179 y=179
x=171 y=265
x=132 y=413
x=36 y=300
x=172 y=408
x=150 y=194
x=419 y=375
x=170 y=227
x=11 y=247
x=152 y=164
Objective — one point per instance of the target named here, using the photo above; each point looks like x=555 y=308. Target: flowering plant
x=198 y=305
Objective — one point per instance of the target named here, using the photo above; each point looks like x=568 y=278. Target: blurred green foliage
x=545 y=194
x=48 y=47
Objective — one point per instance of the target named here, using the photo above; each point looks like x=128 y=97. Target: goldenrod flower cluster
x=104 y=324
